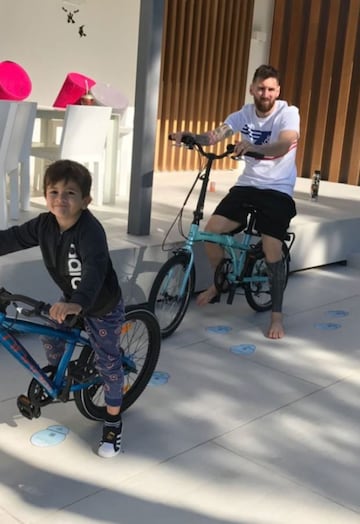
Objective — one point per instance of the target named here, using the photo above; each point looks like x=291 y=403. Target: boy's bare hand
x=60 y=310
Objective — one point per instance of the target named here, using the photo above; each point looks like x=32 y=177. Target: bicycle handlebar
x=38 y=307
x=190 y=142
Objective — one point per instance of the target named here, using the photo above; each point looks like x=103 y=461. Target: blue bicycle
x=243 y=269
x=76 y=377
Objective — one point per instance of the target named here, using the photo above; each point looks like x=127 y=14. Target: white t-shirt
x=278 y=173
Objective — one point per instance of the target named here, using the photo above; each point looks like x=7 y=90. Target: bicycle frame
x=236 y=249
x=71 y=337
x=243 y=265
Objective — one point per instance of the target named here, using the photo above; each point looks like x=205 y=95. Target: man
x=268 y=126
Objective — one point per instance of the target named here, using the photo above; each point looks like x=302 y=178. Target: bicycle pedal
x=75 y=371
x=26 y=408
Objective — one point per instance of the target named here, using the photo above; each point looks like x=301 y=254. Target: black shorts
x=274 y=209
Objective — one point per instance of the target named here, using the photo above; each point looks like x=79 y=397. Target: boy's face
x=65 y=201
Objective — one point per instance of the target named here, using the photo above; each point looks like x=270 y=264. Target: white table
x=51 y=120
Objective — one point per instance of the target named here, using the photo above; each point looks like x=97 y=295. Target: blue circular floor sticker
x=243 y=349
x=337 y=313
x=328 y=326
x=159 y=378
x=219 y=329
x=51 y=436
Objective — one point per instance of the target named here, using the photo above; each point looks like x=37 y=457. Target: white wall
x=260 y=39
x=35 y=34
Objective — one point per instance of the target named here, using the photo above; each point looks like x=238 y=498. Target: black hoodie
x=78 y=259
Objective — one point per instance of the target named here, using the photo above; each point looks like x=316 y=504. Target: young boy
x=75 y=252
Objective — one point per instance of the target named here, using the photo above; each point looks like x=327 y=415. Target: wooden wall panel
x=203 y=74
x=316 y=47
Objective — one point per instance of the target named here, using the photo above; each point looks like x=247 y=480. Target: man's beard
x=264 y=106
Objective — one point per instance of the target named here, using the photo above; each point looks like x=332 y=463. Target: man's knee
x=219 y=224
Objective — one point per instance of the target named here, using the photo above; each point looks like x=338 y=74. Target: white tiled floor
x=264 y=437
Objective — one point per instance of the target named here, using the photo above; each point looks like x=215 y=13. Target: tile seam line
x=293 y=480
x=255 y=419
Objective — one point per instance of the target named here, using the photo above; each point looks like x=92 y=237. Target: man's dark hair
x=68 y=170
x=266 y=71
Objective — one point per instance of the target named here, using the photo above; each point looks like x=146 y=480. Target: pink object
x=74 y=87
x=15 y=83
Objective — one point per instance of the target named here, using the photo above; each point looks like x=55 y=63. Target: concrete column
x=145 y=118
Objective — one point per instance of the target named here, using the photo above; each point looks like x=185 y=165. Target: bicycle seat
x=248 y=216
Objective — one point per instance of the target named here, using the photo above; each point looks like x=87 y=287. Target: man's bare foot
x=276 y=329
x=207 y=296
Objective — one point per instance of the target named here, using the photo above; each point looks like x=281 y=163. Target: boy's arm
x=94 y=254
x=17 y=238
x=94 y=270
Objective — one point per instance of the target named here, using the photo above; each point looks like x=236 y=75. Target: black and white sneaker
x=110 y=444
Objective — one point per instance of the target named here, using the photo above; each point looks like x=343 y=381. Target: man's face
x=265 y=93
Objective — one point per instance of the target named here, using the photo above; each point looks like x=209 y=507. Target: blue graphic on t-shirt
x=256 y=136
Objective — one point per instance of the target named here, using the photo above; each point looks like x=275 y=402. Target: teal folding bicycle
x=243 y=269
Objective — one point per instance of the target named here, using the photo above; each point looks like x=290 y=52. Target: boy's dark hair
x=266 y=71
x=66 y=170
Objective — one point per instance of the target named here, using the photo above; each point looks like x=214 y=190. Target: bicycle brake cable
x=178 y=217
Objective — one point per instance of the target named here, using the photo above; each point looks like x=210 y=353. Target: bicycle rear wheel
x=258 y=293
x=165 y=300
x=140 y=341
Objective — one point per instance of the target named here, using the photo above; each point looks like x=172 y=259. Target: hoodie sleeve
x=93 y=251
x=21 y=237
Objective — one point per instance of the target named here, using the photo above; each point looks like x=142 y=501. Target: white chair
x=15 y=121
x=83 y=139
x=28 y=111
x=7 y=120
x=107 y=95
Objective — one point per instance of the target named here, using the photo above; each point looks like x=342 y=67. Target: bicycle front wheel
x=165 y=299
x=140 y=341
x=258 y=294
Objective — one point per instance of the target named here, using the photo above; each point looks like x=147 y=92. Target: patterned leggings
x=104 y=337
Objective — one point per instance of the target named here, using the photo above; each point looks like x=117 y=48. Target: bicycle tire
x=258 y=294
x=164 y=298
x=140 y=341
